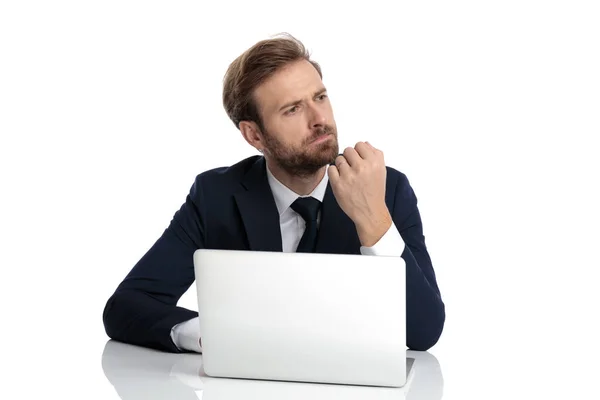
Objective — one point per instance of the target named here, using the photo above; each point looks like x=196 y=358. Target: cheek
x=292 y=131
x=329 y=112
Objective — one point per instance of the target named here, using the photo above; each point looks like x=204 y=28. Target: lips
x=321 y=138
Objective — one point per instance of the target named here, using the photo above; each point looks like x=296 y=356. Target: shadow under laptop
x=138 y=373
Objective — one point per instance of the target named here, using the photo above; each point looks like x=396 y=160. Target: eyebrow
x=296 y=102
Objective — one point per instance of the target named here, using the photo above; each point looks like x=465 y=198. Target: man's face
x=300 y=133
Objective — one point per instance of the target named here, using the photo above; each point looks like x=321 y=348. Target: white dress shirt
x=186 y=335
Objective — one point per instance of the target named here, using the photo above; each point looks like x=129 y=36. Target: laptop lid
x=304 y=317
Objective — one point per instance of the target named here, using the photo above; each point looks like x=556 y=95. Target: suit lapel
x=258 y=210
x=337 y=233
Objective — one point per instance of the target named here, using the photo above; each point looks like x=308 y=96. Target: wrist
x=371 y=229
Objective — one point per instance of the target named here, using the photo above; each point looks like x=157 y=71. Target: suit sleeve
x=425 y=310
x=143 y=309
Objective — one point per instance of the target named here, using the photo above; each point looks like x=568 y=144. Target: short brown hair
x=252 y=68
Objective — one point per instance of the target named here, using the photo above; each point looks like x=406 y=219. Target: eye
x=323 y=96
x=291 y=110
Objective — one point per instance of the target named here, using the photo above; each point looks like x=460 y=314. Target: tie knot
x=307 y=207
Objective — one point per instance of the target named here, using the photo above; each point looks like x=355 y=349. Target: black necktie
x=308 y=208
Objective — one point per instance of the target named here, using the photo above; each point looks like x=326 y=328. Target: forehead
x=295 y=81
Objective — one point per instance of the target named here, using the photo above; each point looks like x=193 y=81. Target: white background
x=108 y=110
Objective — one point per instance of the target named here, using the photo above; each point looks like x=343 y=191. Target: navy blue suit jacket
x=233 y=208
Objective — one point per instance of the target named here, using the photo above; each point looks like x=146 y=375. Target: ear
x=251 y=132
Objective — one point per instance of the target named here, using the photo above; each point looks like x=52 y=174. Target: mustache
x=325 y=130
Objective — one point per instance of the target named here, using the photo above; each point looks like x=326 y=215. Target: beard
x=305 y=160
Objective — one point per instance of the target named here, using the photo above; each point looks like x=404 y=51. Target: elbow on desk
x=113 y=325
x=423 y=335
x=122 y=315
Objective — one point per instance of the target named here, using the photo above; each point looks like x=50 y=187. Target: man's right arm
x=143 y=310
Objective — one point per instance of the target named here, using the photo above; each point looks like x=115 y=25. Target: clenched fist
x=358 y=183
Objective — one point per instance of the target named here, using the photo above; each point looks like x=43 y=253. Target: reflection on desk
x=139 y=373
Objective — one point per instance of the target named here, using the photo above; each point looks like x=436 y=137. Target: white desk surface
x=137 y=373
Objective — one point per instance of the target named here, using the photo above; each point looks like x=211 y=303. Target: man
x=301 y=195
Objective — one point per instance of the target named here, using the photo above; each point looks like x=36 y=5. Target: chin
x=326 y=156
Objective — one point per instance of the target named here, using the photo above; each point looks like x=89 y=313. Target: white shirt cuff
x=390 y=244
x=186 y=335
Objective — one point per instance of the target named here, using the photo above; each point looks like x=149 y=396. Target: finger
x=375 y=149
x=352 y=156
x=365 y=150
x=334 y=174
x=378 y=154
x=371 y=146
x=342 y=164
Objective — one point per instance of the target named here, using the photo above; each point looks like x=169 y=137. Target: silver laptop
x=304 y=317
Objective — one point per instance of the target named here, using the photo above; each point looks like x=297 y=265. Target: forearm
x=132 y=316
x=425 y=314
x=425 y=310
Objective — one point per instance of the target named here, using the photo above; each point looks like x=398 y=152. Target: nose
x=317 y=117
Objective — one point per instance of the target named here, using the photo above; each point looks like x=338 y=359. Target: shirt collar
x=284 y=196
